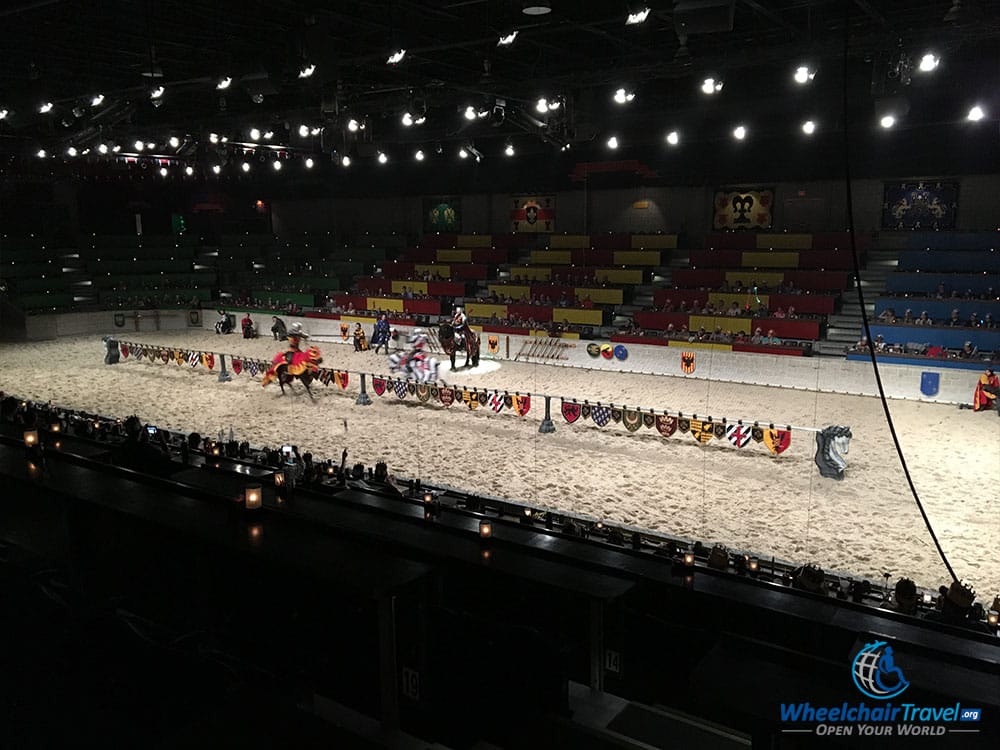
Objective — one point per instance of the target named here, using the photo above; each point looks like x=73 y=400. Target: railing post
x=363 y=399
x=224 y=376
x=546 y=425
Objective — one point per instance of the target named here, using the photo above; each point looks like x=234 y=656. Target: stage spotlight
x=174 y=141
x=102 y=149
x=157 y=92
x=45 y=108
x=407 y=119
x=803 y=74
x=163 y=171
x=419 y=155
x=352 y=125
x=4 y=113
x=975 y=114
x=139 y=145
x=224 y=83
x=303 y=131
x=216 y=169
x=268 y=135
x=536 y=7
x=470 y=113
x=887 y=121
x=150 y=146
x=382 y=158
x=116 y=148
x=276 y=165
x=509 y=150
x=711 y=86
x=245 y=166
x=254 y=134
x=97 y=100
x=41 y=153
x=309 y=162
x=507 y=39
x=396 y=57
x=315 y=131
x=622 y=96
x=189 y=170
x=71 y=151
x=463 y=153
x=213 y=137
x=346 y=160
x=673 y=138
x=542 y=106
x=639 y=16
x=613 y=142
x=307 y=71
x=739 y=132
x=809 y=127
x=928 y=63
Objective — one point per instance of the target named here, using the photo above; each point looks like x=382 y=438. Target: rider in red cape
x=986 y=391
x=297 y=360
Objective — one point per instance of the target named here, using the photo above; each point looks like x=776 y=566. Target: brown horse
x=293 y=364
x=446 y=334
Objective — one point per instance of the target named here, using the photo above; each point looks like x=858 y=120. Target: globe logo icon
x=875 y=673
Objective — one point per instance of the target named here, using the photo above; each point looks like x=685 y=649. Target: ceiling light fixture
x=3 y=114
x=309 y=162
x=407 y=119
x=216 y=169
x=809 y=127
x=346 y=161
x=174 y=141
x=45 y=108
x=536 y=7
x=928 y=62
x=213 y=137
x=711 y=86
x=803 y=74
x=638 y=17
x=975 y=114
x=277 y=165
x=139 y=145
x=396 y=57
x=509 y=150
x=150 y=145
x=41 y=153
x=462 y=153
x=245 y=166
x=353 y=125
x=254 y=134
x=419 y=155
x=157 y=92
x=613 y=142
x=303 y=131
x=541 y=106
x=102 y=149
x=382 y=158
x=163 y=171
x=315 y=131
x=189 y=170
x=507 y=39
x=307 y=71
x=224 y=83
x=739 y=132
x=622 y=96
x=257 y=98
x=470 y=113
x=97 y=101
x=71 y=151
x=116 y=148
x=268 y=135
x=887 y=121
x=673 y=138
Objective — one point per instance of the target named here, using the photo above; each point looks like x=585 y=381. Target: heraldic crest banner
x=751 y=208
x=443 y=214
x=920 y=205
x=533 y=213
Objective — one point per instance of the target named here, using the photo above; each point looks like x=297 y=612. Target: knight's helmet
x=458 y=311
x=418 y=338
x=296 y=329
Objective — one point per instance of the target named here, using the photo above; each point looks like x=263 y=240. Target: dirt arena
x=866 y=525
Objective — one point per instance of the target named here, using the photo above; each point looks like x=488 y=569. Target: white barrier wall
x=104 y=323
x=825 y=374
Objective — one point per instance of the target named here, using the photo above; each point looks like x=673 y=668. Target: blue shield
x=929 y=383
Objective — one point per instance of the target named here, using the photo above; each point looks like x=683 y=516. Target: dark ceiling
x=580 y=53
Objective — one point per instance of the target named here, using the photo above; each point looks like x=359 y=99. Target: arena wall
x=825 y=374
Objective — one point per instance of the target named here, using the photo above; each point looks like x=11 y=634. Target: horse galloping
x=292 y=364
x=469 y=342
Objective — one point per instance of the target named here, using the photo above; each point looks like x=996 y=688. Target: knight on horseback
x=294 y=363
x=416 y=361
x=459 y=320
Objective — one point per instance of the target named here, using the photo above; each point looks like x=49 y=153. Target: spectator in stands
x=671 y=331
x=904 y=598
x=879 y=343
x=862 y=345
x=923 y=320
x=954 y=320
x=792 y=315
x=973 y=321
x=278 y=328
x=955 y=605
x=908 y=318
x=771 y=339
x=779 y=313
x=734 y=310
x=968 y=351
x=941 y=291
x=988 y=321
x=888 y=315
x=757 y=337
x=717 y=336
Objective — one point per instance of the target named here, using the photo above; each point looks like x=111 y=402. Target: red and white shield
x=738 y=435
x=571 y=411
x=124 y=349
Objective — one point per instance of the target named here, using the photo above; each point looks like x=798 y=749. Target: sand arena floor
x=866 y=525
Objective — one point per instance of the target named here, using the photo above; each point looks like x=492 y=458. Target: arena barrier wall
x=110 y=322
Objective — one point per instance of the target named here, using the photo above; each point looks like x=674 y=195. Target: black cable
x=861 y=300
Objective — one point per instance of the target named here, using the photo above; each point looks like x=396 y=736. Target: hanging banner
x=601 y=415
x=447 y=396
x=702 y=430
x=738 y=435
x=632 y=420
x=522 y=404
x=399 y=387
x=920 y=205
x=687 y=362
x=237 y=364
x=777 y=441
x=378 y=385
x=571 y=411
x=443 y=214
x=533 y=213
x=665 y=425
x=743 y=209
